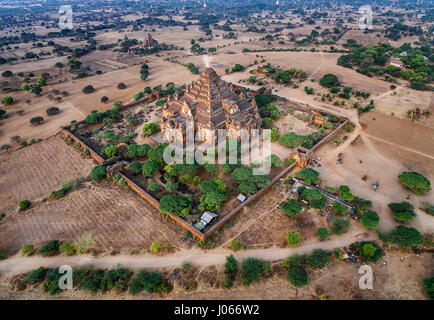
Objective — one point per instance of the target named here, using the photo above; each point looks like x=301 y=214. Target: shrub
x=153 y=186
x=149 y=168
x=369 y=251
x=67 y=248
x=329 y=80
x=340 y=225
x=51 y=284
x=323 y=233
x=370 y=220
x=318 y=259
x=88 y=89
x=104 y=99
x=24 y=204
x=145 y=281
x=231 y=264
x=236 y=245
x=95 y=282
x=49 y=249
x=292 y=208
x=8 y=100
x=111 y=150
x=28 y=250
x=84 y=243
x=36 y=275
x=36 y=120
x=339 y=208
x=294 y=261
x=150 y=128
x=175 y=204
x=428 y=283
x=403 y=236
x=251 y=269
x=293 y=238
x=117 y=279
x=226 y=281
x=297 y=277
x=415 y=182
x=121 y=86
x=135 y=167
x=402 y=211
x=99 y=173
x=155 y=247
x=52 y=111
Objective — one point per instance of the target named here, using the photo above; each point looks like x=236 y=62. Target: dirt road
x=18 y=264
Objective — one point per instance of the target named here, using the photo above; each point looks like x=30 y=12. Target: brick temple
x=210 y=103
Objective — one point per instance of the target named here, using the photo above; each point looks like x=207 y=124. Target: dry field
x=34 y=171
x=117 y=217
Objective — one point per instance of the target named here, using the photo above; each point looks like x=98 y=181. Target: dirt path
x=18 y=264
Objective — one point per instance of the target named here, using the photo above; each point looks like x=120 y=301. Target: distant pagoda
x=211 y=104
x=149 y=42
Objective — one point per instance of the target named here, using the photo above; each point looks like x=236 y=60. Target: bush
x=117 y=279
x=339 y=208
x=292 y=208
x=122 y=86
x=36 y=120
x=99 y=173
x=403 y=236
x=318 y=259
x=104 y=99
x=251 y=270
x=67 y=248
x=370 y=220
x=49 y=249
x=36 y=275
x=149 y=168
x=226 y=281
x=236 y=245
x=415 y=182
x=135 y=167
x=84 y=243
x=52 y=111
x=293 y=238
x=231 y=264
x=428 y=283
x=150 y=128
x=51 y=284
x=402 y=211
x=95 y=282
x=111 y=150
x=8 y=100
x=28 y=250
x=329 y=80
x=145 y=281
x=88 y=89
x=175 y=204
x=340 y=225
x=297 y=277
x=24 y=204
x=323 y=233
x=155 y=247
x=369 y=251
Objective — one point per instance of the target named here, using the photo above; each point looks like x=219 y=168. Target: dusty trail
x=18 y=264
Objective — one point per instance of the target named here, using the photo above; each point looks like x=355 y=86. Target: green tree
x=8 y=100
x=293 y=238
x=145 y=281
x=369 y=219
x=212 y=201
x=155 y=247
x=403 y=236
x=297 y=277
x=415 y=182
x=340 y=225
x=323 y=233
x=274 y=134
x=339 y=208
x=251 y=269
x=402 y=211
x=36 y=275
x=149 y=168
x=175 y=204
x=99 y=173
x=318 y=259
x=291 y=207
x=231 y=264
x=428 y=283
x=329 y=80
x=111 y=150
x=312 y=194
x=309 y=176
x=135 y=167
x=273 y=161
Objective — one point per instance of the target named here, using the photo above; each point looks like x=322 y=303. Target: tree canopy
x=415 y=182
